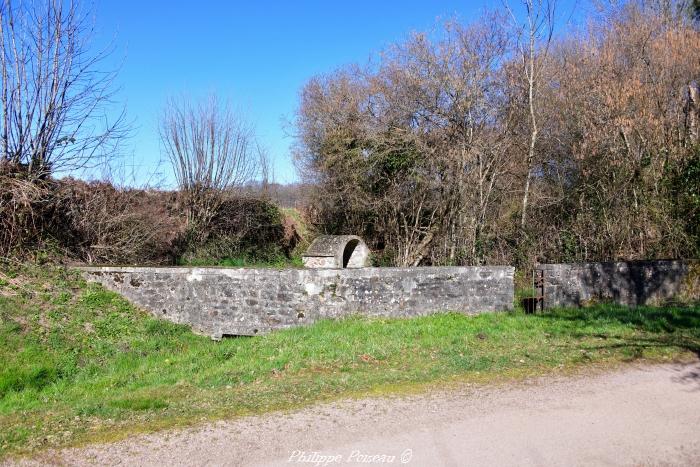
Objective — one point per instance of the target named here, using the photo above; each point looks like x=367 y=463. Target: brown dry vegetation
x=483 y=143
x=426 y=153
x=95 y=222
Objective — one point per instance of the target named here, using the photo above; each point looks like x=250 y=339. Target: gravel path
x=638 y=415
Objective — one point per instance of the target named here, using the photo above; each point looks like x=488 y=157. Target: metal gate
x=538 y=286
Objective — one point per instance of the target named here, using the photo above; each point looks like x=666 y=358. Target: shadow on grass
x=657 y=327
x=645 y=318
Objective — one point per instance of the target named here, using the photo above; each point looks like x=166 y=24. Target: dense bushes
x=246 y=229
x=96 y=222
x=428 y=152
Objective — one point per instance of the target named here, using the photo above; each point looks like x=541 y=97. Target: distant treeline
x=291 y=195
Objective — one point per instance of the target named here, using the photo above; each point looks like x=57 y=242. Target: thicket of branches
x=96 y=222
x=54 y=98
x=56 y=90
x=497 y=143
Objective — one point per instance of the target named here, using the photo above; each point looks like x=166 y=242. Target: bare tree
x=211 y=149
x=265 y=171
x=55 y=92
x=534 y=39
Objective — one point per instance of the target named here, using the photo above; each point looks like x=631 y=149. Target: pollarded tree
x=212 y=149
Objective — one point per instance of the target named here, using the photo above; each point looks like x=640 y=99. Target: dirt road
x=640 y=415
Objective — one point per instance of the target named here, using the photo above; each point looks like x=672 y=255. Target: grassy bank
x=79 y=364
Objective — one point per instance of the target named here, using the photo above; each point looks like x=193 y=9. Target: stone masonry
x=336 y=251
x=627 y=283
x=222 y=301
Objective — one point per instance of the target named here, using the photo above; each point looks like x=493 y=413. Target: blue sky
x=256 y=54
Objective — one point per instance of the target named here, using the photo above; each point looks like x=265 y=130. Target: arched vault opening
x=336 y=251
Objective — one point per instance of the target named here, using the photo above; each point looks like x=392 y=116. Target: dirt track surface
x=640 y=415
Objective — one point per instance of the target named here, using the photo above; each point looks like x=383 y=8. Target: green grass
x=276 y=262
x=79 y=364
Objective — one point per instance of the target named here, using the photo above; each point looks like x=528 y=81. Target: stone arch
x=336 y=252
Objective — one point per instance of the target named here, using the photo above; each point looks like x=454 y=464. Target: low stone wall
x=219 y=301
x=627 y=283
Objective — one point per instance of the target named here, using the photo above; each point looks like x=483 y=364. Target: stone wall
x=219 y=301
x=626 y=283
